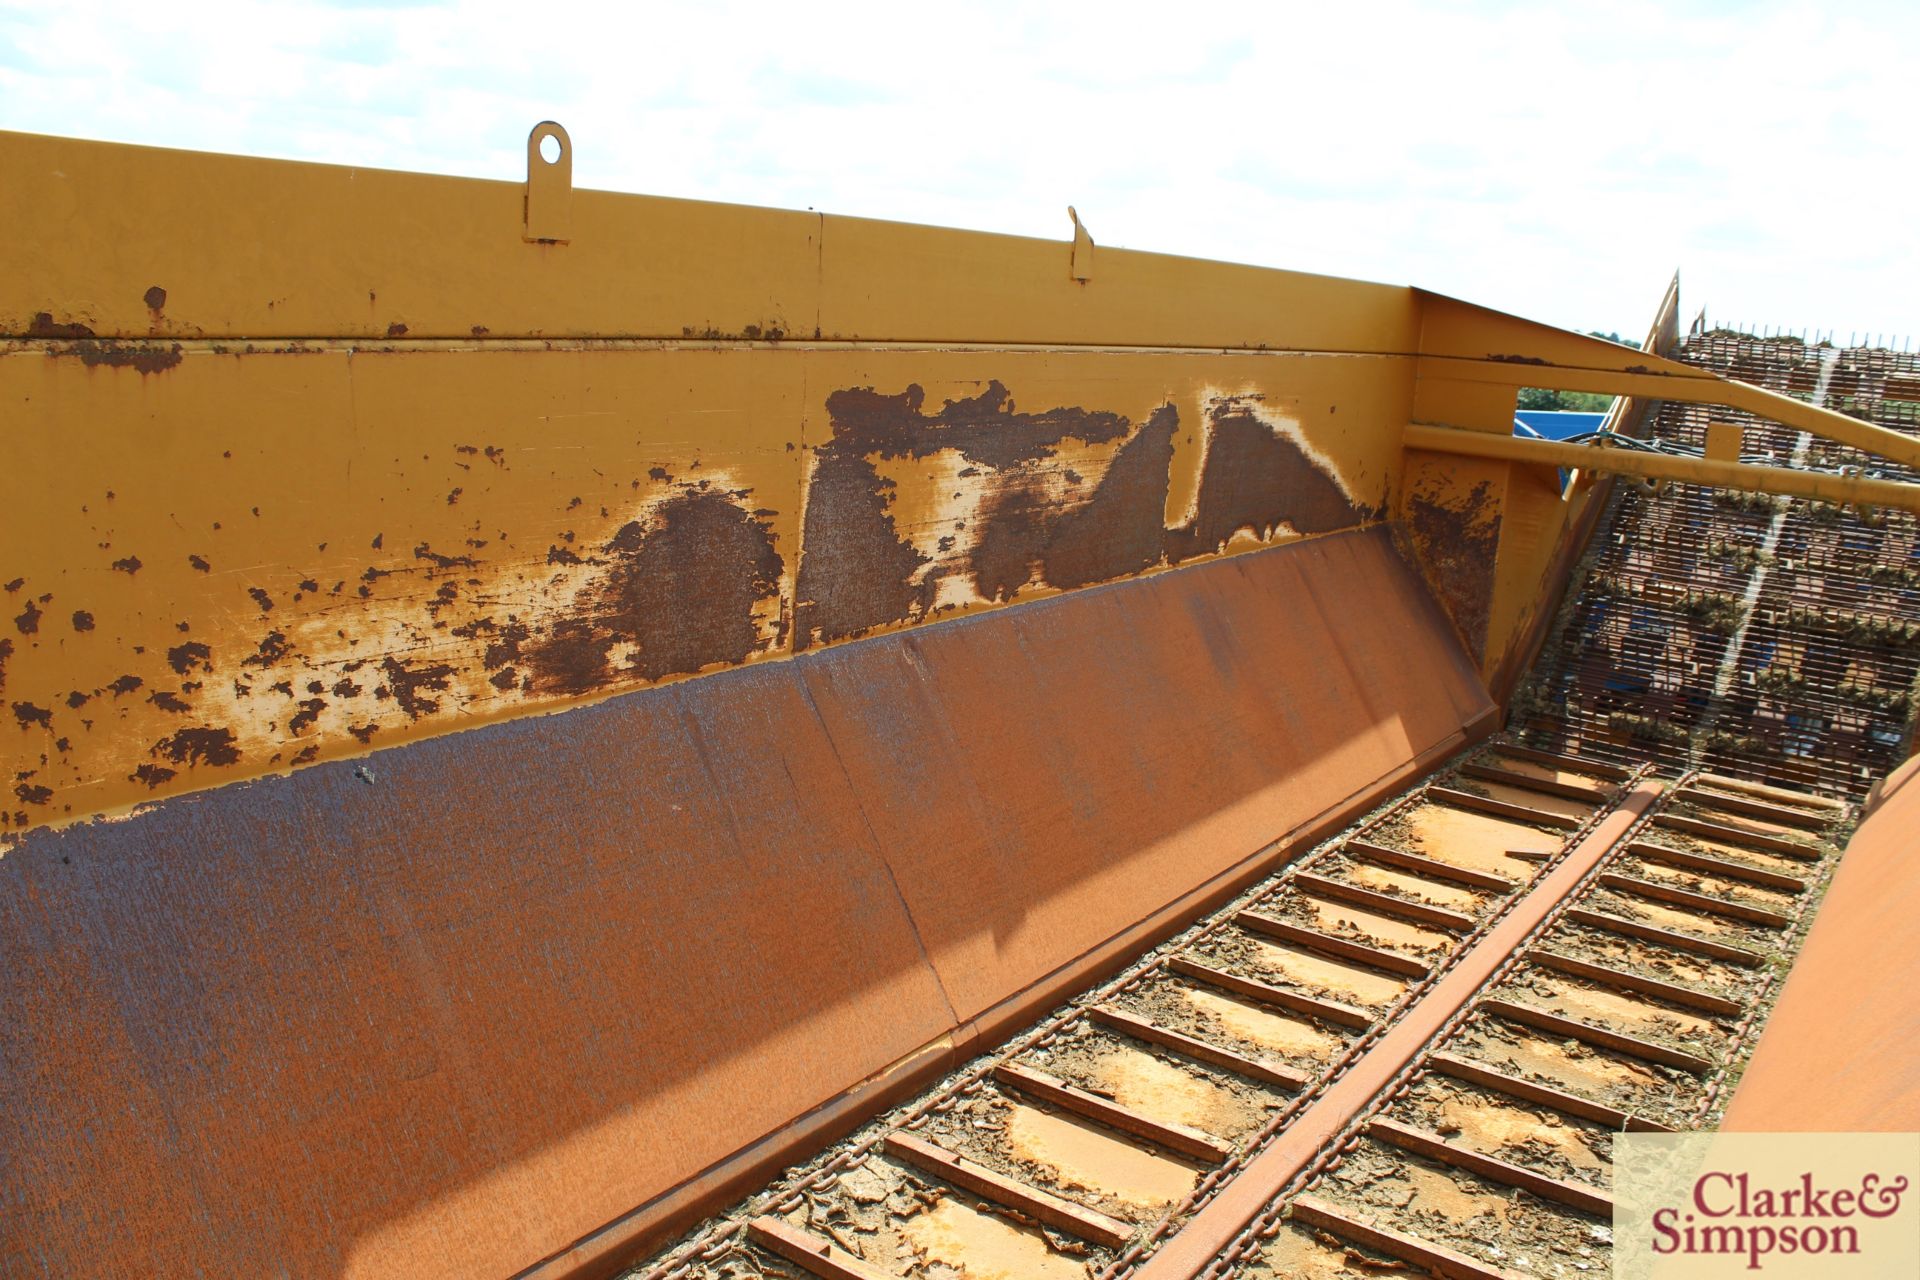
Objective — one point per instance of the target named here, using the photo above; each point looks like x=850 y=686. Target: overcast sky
x=1559 y=162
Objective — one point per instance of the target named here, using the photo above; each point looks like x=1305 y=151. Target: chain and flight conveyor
x=1442 y=1013
x=1630 y=1005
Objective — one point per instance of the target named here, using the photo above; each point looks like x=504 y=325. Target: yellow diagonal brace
x=1462 y=342
x=1706 y=389
x=1844 y=490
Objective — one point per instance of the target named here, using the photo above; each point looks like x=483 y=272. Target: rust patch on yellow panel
x=1453 y=513
x=677 y=592
x=142 y=357
x=282 y=558
x=999 y=502
x=296 y=561
x=686 y=578
x=1018 y=514
x=1118 y=530
x=1257 y=478
x=43 y=325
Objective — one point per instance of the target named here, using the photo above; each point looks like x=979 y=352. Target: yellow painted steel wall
x=253 y=249
x=312 y=460
x=247 y=562
x=308 y=460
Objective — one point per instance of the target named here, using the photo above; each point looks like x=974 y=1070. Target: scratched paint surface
x=226 y=564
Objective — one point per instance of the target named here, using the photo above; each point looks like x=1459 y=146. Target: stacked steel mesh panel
x=1767 y=638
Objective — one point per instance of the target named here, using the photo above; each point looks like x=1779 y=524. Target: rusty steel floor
x=1408 y=1047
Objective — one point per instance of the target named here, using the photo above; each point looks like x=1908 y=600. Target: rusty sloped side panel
x=441 y=1013
x=250 y=562
x=1837 y=1055
x=1098 y=761
x=449 y=1009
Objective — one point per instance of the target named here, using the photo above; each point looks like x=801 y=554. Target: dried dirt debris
x=1503 y=1226
x=1660 y=1093
x=1536 y=1137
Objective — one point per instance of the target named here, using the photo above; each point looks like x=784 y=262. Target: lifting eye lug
x=549 y=206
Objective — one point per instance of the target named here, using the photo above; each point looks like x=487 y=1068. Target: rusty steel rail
x=1846 y=490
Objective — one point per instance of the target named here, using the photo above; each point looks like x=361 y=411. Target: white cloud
x=1554 y=161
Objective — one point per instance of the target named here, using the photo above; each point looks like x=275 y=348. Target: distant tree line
x=1572 y=401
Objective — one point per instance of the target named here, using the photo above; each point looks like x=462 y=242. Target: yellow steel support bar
x=1845 y=490
x=1489 y=529
x=1707 y=389
x=1462 y=342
